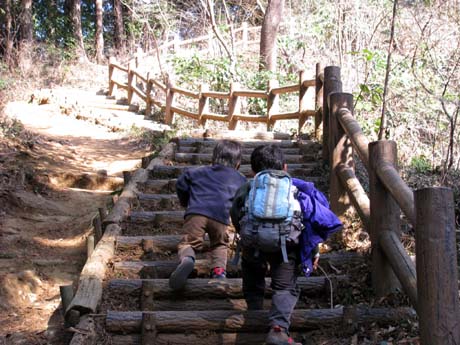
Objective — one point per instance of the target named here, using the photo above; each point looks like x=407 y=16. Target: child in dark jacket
x=318 y=221
x=207 y=193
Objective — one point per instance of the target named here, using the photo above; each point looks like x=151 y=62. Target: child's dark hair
x=227 y=153
x=267 y=157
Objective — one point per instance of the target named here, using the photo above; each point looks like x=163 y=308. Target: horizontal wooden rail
x=235 y=112
x=186 y=92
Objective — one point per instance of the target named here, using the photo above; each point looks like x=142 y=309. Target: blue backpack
x=272 y=217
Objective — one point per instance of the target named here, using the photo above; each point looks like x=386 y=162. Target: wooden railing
x=431 y=284
x=148 y=89
x=155 y=92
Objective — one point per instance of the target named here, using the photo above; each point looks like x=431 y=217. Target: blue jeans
x=284 y=283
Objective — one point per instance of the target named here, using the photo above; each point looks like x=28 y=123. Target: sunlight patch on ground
x=70 y=242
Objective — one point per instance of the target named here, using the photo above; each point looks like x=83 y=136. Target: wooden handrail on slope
x=435 y=294
x=234 y=115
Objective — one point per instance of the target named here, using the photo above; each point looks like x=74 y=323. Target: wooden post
x=169 y=114
x=147 y=295
x=148 y=99
x=203 y=105
x=89 y=245
x=66 y=292
x=102 y=213
x=112 y=85
x=97 y=224
x=234 y=106
x=273 y=102
x=341 y=152
x=332 y=83
x=318 y=100
x=130 y=81
x=126 y=177
x=436 y=260
x=149 y=331
x=385 y=215
x=303 y=102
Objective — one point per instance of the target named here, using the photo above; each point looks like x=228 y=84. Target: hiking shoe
x=179 y=277
x=279 y=336
x=218 y=273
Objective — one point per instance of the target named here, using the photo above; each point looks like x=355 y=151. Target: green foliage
x=10 y=128
x=421 y=164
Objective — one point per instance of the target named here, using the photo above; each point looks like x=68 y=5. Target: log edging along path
x=89 y=291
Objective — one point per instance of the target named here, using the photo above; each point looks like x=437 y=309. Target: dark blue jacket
x=209 y=191
x=319 y=221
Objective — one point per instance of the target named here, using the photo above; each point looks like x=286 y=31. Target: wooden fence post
x=436 y=261
x=203 y=105
x=318 y=100
x=169 y=114
x=332 y=83
x=234 y=106
x=341 y=152
x=385 y=215
x=303 y=101
x=112 y=86
x=130 y=81
x=148 y=96
x=273 y=102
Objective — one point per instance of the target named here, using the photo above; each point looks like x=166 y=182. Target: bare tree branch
x=383 y=119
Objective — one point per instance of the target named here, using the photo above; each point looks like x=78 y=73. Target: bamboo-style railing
x=431 y=284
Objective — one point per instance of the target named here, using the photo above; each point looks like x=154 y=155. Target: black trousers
x=284 y=283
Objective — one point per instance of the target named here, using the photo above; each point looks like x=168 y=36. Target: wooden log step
x=157 y=218
x=205 y=338
x=162 y=172
x=244 y=134
x=163 y=269
x=214 y=288
x=155 y=244
x=245 y=150
x=158 y=186
x=247 y=143
x=206 y=158
x=254 y=320
x=158 y=201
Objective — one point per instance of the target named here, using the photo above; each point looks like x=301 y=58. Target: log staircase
x=124 y=297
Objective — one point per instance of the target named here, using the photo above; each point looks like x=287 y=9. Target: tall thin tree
x=99 y=32
x=26 y=21
x=269 y=31
x=119 y=31
x=8 y=35
x=75 y=13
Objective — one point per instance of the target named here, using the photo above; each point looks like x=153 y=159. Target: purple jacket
x=319 y=221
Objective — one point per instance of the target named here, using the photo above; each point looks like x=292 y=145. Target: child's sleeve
x=183 y=188
x=238 y=204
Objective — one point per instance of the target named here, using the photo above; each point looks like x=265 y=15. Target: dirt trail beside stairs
x=50 y=189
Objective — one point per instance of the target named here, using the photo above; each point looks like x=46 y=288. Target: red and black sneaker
x=218 y=273
x=279 y=336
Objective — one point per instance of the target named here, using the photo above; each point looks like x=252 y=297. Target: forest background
x=400 y=59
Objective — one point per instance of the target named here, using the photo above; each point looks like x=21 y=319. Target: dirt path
x=51 y=188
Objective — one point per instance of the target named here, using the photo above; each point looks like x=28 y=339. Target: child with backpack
x=280 y=221
x=207 y=193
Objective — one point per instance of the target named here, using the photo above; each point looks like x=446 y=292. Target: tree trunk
x=75 y=13
x=119 y=30
x=26 y=21
x=8 y=36
x=99 y=32
x=268 y=34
